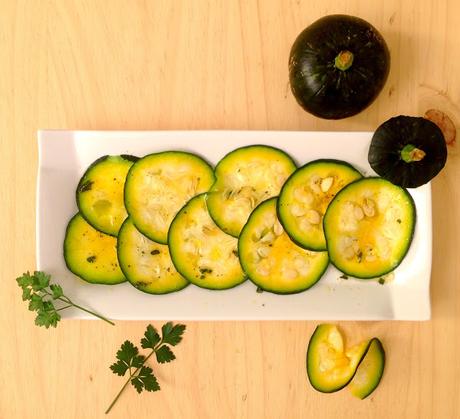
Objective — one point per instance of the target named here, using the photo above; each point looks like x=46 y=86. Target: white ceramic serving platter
x=64 y=156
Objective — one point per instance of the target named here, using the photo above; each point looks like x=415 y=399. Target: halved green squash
x=305 y=197
x=369 y=227
x=244 y=178
x=202 y=252
x=90 y=254
x=408 y=151
x=100 y=193
x=147 y=265
x=330 y=366
x=370 y=371
x=158 y=186
x=272 y=260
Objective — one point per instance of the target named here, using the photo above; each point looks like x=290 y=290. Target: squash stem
x=410 y=153
x=344 y=60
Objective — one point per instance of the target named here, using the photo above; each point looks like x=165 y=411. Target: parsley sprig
x=47 y=299
x=129 y=359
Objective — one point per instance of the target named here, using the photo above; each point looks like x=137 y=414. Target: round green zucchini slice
x=90 y=254
x=100 y=193
x=370 y=371
x=158 y=186
x=244 y=178
x=369 y=227
x=305 y=197
x=201 y=252
x=272 y=260
x=330 y=367
x=147 y=265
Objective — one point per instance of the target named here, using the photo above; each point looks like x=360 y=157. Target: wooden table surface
x=197 y=64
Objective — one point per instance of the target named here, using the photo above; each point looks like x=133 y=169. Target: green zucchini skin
x=334 y=167
x=201 y=252
x=135 y=252
x=229 y=191
x=263 y=219
x=329 y=234
x=91 y=254
x=171 y=183
x=103 y=181
x=310 y=363
x=373 y=362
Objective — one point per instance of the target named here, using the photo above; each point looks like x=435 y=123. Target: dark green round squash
x=337 y=66
x=408 y=151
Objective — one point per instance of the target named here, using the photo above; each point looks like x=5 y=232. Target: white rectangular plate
x=64 y=156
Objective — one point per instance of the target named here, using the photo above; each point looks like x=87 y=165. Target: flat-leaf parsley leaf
x=47 y=299
x=141 y=376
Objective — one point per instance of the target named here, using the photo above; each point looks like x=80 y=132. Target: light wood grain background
x=198 y=64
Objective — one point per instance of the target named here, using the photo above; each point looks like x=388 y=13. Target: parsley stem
x=93 y=313
x=131 y=376
x=118 y=395
x=69 y=301
x=63 y=308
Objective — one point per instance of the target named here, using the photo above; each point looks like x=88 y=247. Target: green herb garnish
x=47 y=299
x=128 y=358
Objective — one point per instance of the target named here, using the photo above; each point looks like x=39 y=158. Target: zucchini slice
x=201 y=252
x=370 y=371
x=272 y=260
x=305 y=197
x=146 y=264
x=158 y=186
x=100 y=193
x=244 y=178
x=369 y=227
x=330 y=367
x=90 y=254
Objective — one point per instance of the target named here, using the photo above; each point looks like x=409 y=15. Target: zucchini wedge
x=100 y=193
x=201 y=252
x=370 y=371
x=146 y=264
x=90 y=254
x=244 y=178
x=272 y=260
x=158 y=186
x=369 y=227
x=330 y=367
x=305 y=197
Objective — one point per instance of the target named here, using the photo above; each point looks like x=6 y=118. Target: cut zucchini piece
x=370 y=371
x=369 y=227
x=305 y=197
x=201 y=252
x=244 y=178
x=90 y=254
x=100 y=193
x=272 y=260
x=330 y=367
x=147 y=265
x=158 y=186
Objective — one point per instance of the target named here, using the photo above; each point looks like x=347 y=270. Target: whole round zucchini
x=337 y=66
